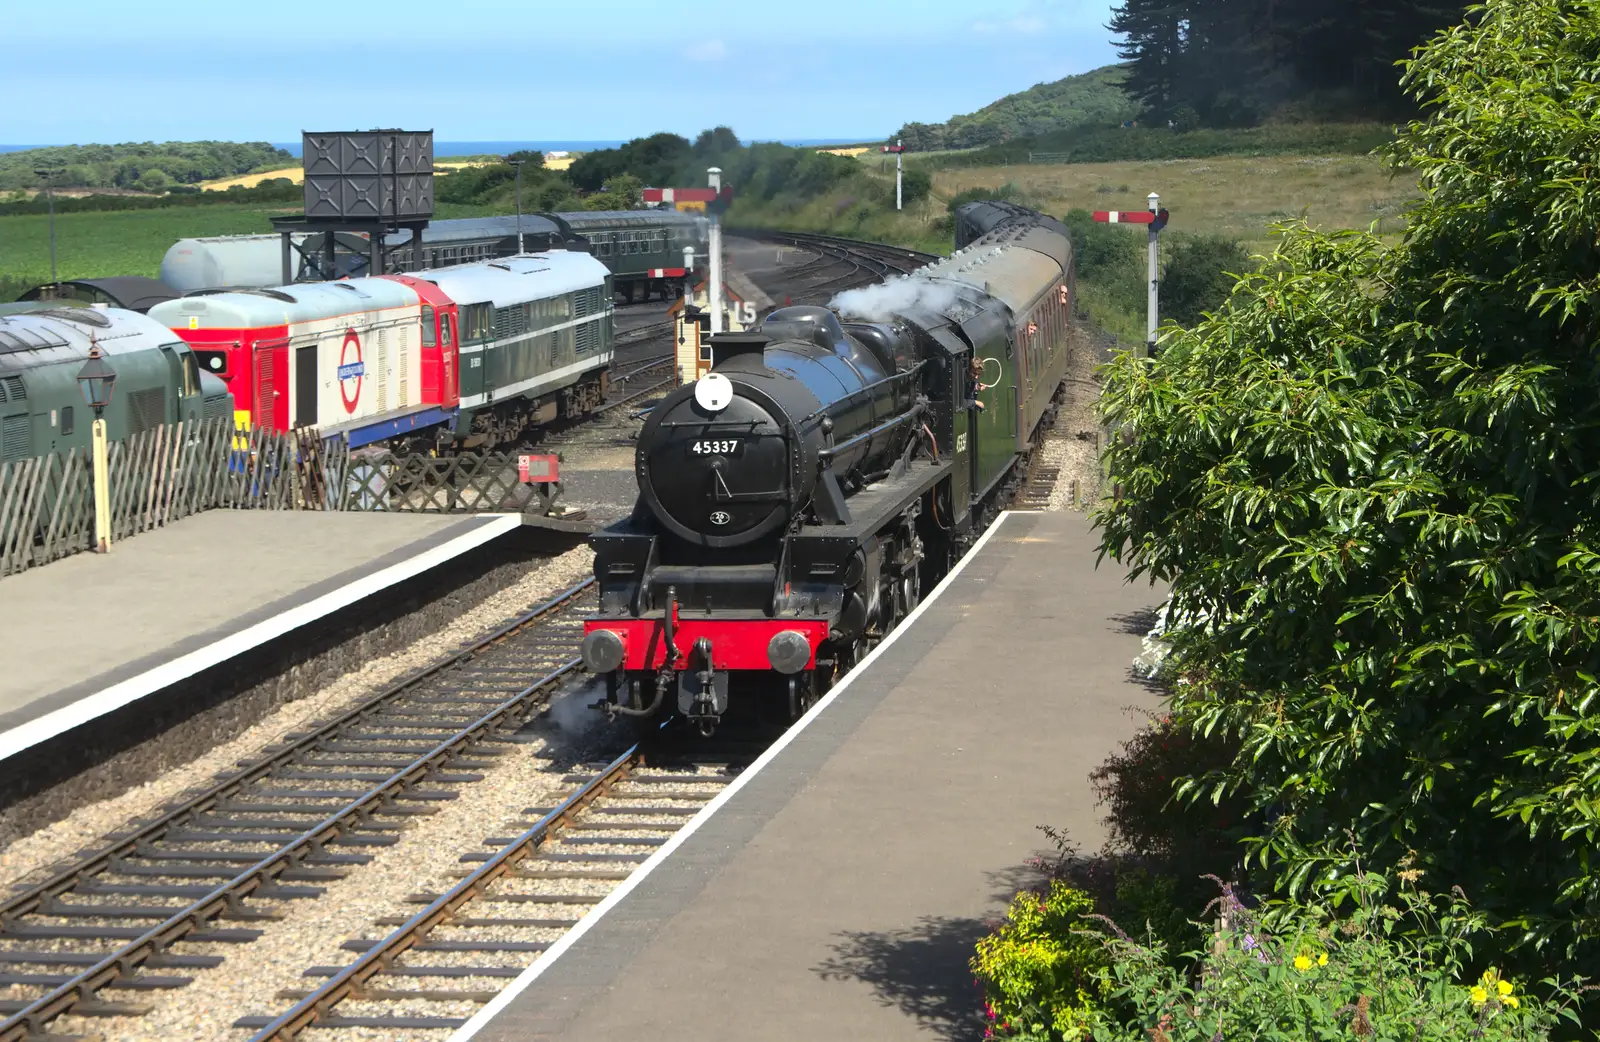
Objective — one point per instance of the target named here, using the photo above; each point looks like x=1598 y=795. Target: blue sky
x=529 y=70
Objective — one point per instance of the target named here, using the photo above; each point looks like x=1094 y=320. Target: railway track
x=566 y=860
x=862 y=261
x=96 y=931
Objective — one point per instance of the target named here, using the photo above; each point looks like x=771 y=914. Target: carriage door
x=305 y=386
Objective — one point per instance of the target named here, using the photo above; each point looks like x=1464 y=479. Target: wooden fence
x=168 y=473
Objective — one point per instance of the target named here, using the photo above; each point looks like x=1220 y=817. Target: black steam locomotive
x=796 y=500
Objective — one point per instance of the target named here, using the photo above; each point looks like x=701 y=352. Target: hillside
x=1094 y=98
x=145 y=165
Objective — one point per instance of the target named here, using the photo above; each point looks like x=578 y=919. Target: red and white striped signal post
x=1156 y=218
x=897 y=148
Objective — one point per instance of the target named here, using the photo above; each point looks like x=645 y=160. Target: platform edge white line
x=142 y=685
x=487 y=1014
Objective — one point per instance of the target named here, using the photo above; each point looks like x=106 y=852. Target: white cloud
x=708 y=51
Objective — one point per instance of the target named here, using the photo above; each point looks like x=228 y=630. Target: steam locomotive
x=796 y=500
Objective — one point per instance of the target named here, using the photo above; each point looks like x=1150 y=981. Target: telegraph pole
x=50 y=196
x=898 y=148
x=518 y=164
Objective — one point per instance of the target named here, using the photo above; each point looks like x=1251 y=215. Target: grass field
x=132 y=242
x=1236 y=196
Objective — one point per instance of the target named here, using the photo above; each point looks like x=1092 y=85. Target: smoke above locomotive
x=889 y=300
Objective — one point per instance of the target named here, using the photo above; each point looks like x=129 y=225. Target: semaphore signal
x=1156 y=218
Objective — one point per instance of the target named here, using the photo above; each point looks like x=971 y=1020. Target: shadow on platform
x=925 y=972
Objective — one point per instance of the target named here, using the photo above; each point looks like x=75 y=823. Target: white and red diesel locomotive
x=460 y=357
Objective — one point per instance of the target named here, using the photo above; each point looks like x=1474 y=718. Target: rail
x=302 y=847
x=635 y=803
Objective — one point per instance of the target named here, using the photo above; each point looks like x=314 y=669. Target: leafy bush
x=1038 y=968
x=1369 y=479
x=916 y=184
x=1198 y=275
x=1384 y=972
x=1007 y=192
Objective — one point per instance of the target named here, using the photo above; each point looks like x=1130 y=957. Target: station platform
x=87 y=635
x=838 y=886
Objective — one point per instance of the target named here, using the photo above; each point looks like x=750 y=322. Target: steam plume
x=882 y=302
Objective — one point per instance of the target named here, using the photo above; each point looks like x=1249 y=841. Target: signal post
x=1156 y=219
x=898 y=148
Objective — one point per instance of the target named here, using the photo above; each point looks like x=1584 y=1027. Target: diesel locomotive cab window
x=428 y=338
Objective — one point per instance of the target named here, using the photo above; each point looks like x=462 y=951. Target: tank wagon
x=797 y=499
x=42 y=348
x=642 y=249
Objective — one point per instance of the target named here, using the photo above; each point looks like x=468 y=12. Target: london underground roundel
x=351 y=370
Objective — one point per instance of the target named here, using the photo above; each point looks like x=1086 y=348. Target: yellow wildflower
x=1479 y=996
x=1504 y=987
x=1302 y=963
x=1322 y=959
x=1511 y=1000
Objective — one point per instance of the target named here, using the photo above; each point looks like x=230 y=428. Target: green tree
x=1370 y=482
x=153 y=180
x=715 y=142
x=916 y=184
x=1198 y=275
x=622 y=192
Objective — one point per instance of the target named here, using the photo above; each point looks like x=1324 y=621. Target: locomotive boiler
x=796 y=500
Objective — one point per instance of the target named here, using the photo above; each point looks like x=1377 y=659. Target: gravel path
x=27 y=858
x=1074 y=442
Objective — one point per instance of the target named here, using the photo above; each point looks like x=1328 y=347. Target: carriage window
x=66 y=419
x=428 y=339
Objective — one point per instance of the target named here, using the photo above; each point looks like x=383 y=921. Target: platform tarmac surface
x=114 y=624
x=841 y=888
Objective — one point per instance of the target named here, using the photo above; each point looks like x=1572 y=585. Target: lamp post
x=518 y=164
x=96 y=379
x=50 y=196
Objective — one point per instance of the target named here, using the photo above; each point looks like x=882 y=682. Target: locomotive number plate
x=717 y=447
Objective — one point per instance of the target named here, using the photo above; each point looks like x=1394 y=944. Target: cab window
x=444 y=329
x=428 y=339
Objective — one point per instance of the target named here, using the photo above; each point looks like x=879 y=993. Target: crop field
x=1236 y=196
x=131 y=242
x=297 y=174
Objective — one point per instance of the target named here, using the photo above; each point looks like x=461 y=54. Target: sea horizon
x=443 y=148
